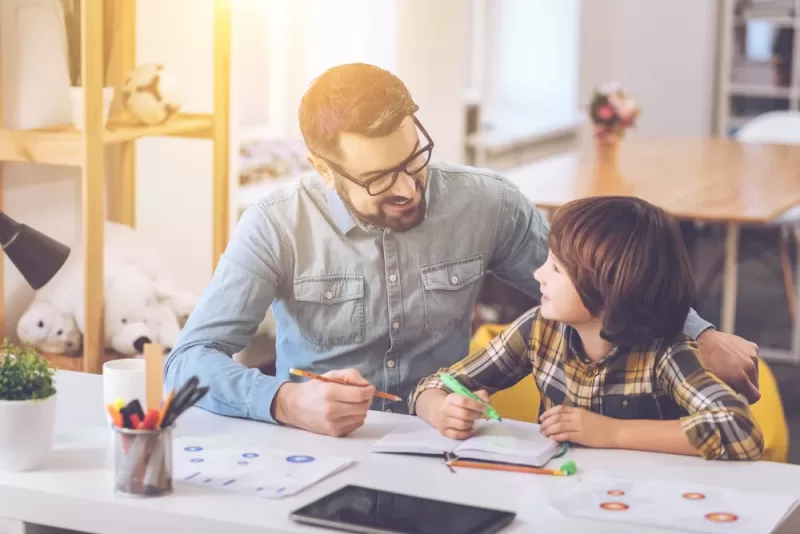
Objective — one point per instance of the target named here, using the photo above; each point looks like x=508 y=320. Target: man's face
x=402 y=206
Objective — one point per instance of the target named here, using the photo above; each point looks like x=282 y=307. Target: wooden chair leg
x=786 y=267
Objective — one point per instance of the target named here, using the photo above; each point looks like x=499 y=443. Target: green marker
x=453 y=384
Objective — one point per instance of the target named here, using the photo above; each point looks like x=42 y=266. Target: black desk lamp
x=36 y=256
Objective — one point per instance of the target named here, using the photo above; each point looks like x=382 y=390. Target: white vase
x=26 y=433
x=77 y=99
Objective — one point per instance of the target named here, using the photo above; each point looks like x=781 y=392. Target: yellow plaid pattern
x=666 y=382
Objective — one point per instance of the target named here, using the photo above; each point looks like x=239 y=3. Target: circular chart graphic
x=300 y=459
x=694 y=496
x=243 y=462
x=616 y=492
x=193 y=449
x=722 y=517
x=614 y=506
x=249 y=455
x=196 y=460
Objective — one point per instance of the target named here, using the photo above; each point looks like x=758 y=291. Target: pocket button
x=390 y=363
x=454 y=280
x=393 y=278
x=328 y=295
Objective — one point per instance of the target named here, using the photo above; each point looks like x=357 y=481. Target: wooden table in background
x=716 y=180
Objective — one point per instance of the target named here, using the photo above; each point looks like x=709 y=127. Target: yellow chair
x=521 y=401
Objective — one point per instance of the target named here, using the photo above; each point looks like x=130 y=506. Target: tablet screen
x=371 y=510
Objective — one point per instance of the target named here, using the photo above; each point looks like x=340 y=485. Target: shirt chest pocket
x=449 y=291
x=330 y=309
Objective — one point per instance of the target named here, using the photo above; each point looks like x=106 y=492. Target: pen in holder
x=143 y=461
x=143 y=441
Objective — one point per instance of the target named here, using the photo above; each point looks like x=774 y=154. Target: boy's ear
x=322 y=169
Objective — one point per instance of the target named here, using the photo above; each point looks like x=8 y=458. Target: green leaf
x=24 y=374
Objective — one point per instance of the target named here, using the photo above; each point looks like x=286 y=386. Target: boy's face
x=560 y=300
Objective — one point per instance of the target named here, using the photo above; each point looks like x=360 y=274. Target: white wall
x=173 y=175
x=533 y=55
x=664 y=53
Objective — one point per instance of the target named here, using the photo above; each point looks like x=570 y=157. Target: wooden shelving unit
x=759 y=65
x=64 y=145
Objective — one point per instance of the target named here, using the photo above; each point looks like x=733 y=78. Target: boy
x=605 y=346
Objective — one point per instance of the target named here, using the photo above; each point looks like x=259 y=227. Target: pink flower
x=605 y=113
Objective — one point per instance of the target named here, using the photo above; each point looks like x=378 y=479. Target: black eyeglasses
x=383 y=182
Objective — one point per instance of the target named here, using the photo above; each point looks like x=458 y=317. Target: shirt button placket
x=395 y=313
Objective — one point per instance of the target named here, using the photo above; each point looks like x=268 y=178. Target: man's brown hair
x=628 y=260
x=356 y=98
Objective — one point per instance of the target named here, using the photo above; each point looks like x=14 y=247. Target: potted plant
x=71 y=14
x=27 y=408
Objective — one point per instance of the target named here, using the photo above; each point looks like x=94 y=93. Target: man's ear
x=322 y=169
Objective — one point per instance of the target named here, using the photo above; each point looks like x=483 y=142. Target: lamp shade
x=36 y=256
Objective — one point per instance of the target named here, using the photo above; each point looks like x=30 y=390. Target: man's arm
x=226 y=317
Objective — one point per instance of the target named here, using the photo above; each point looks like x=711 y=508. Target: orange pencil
x=567 y=468
x=306 y=374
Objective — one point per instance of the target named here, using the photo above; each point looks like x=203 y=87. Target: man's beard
x=382 y=219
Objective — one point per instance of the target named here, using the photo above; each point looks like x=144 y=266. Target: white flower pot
x=26 y=433
x=76 y=99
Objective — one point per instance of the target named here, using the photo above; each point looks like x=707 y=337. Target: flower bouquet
x=612 y=112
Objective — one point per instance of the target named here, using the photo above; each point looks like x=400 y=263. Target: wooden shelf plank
x=75 y=363
x=63 y=144
x=197 y=125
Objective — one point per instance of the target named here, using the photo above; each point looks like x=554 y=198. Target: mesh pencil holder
x=143 y=461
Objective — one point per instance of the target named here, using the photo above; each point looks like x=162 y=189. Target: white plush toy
x=143 y=302
x=49 y=329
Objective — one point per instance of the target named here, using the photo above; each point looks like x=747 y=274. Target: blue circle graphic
x=243 y=462
x=193 y=449
x=196 y=460
x=250 y=455
x=300 y=459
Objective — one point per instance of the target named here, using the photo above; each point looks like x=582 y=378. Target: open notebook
x=507 y=441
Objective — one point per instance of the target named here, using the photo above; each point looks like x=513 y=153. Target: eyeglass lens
x=412 y=167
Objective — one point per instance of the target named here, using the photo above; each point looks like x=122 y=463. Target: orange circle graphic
x=694 y=496
x=722 y=517
x=614 y=506
x=615 y=492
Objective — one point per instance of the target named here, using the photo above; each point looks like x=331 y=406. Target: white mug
x=124 y=379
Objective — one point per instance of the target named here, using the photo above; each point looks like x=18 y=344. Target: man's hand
x=323 y=407
x=733 y=359
x=577 y=425
x=453 y=415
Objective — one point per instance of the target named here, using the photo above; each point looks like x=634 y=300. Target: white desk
x=75 y=489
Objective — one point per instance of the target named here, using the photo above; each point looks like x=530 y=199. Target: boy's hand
x=454 y=415
x=566 y=423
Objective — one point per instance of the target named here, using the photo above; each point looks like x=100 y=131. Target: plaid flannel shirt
x=655 y=383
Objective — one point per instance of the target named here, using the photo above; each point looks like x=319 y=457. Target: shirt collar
x=342 y=218
x=575 y=348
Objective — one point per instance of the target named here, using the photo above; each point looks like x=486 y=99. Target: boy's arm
x=501 y=364
x=719 y=424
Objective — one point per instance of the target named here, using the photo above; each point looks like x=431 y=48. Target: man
x=372 y=266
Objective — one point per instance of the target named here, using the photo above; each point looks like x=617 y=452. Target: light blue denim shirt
x=396 y=306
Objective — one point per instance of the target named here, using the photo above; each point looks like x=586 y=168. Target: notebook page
x=415 y=437
x=511 y=439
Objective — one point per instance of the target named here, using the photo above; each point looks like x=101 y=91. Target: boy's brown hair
x=356 y=98
x=628 y=260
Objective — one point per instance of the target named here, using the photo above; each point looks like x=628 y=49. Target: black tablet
x=373 y=511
